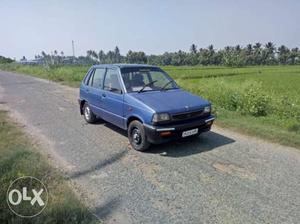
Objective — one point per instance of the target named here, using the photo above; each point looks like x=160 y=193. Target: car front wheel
x=137 y=136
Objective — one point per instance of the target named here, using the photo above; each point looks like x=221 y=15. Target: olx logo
x=27 y=196
x=23 y=196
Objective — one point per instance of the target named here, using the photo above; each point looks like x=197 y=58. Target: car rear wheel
x=89 y=116
x=137 y=136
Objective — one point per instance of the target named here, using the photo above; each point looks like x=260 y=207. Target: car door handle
x=103 y=95
x=87 y=90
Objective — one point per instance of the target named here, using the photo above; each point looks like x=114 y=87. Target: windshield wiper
x=148 y=84
x=162 y=88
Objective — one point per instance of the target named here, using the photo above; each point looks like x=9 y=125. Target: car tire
x=137 y=136
x=89 y=116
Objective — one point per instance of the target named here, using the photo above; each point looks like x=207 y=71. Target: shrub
x=254 y=101
x=248 y=98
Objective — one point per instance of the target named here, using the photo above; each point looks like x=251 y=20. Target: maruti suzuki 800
x=145 y=101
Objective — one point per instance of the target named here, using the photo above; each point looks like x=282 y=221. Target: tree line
x=252 y=54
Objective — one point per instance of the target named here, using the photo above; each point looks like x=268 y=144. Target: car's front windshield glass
x=138 y=79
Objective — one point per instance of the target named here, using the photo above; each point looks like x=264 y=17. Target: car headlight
x=161 y=117
x=207 y=109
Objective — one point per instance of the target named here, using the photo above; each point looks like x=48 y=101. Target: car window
x=111 y=82
x=160 y=79
x=135 y=79
x=90 y=78
x=98 y=77
x=87 y=77
x=145 y=75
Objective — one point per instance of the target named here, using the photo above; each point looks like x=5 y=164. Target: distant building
x=24 y=61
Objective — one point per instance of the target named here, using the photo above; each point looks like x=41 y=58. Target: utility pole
x=73 y=49
x=52 y=61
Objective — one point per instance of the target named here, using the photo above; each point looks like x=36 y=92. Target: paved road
x=221 y=177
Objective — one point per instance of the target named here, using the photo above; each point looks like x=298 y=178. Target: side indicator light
x=165 y=133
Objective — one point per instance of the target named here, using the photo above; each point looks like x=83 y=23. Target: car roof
x=123 y=66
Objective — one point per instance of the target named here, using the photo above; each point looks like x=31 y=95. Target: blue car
x=145 y=101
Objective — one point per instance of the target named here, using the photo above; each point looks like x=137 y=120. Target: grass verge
x=260 y=127
x=18 y=157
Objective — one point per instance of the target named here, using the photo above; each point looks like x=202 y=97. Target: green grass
x=258 y=100
x=18 y=157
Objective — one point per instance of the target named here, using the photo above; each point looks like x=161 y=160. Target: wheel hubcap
x=87 y=113
x=136 y=136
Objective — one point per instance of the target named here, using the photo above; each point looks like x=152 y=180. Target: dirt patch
x=234 y=170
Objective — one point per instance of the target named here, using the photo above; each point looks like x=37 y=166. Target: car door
x=112 y=98
x=96 y=90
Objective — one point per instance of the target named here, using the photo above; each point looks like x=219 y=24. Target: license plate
x=190 y=132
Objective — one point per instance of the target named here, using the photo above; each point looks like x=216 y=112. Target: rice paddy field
x=262 y=101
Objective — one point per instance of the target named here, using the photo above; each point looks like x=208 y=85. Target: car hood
x=172 y=101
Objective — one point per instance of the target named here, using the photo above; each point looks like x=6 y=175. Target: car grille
x=187 y=115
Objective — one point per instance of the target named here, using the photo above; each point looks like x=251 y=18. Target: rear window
x=88 y=76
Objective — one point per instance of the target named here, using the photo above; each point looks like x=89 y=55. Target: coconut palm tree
x=117 y=55
x=193 y=49
x=101 y=56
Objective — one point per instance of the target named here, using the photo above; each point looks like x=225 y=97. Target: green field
x=260 y=100
x=264 y=101
x=18 y=157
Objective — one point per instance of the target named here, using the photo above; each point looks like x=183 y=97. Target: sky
x=153 y=26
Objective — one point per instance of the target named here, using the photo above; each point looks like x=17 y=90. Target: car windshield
x=138 y=79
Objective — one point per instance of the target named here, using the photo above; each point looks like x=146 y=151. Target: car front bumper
x=161 y=134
